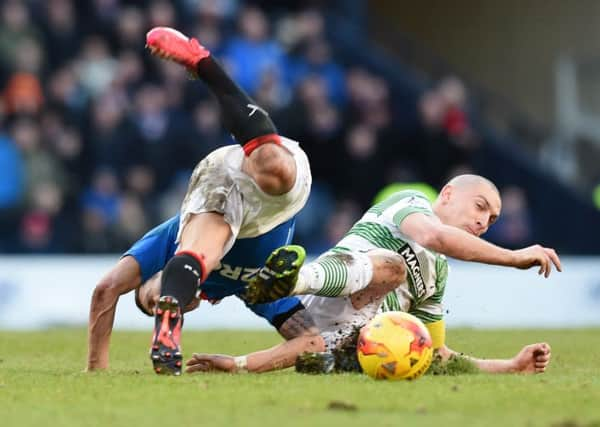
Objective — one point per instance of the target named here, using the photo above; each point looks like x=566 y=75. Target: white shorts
x=336 y=318
x=219 y=185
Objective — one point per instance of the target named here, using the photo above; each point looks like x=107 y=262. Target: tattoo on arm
x=300 y=323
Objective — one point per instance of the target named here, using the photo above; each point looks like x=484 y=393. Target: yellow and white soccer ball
x=394 y=346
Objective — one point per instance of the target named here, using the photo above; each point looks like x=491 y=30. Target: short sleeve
x=416 y=203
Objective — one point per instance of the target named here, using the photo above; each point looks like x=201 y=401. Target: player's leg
x=203 y=242
x=147 y=296
x=124 y=277
x=201 y=247
x=278 y=277
x=271 y=166
x=365 y=276
x=205 y=235
x=389 y=271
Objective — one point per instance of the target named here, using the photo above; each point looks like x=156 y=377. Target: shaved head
x=470 y=202
x=469 y=180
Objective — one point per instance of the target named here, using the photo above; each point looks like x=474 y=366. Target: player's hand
x=537 y=255
x=210 y=363
x=533 y=358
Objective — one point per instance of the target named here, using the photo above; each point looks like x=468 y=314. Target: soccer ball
x=394 y=346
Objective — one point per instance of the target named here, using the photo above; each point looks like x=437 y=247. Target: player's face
x=473 y=208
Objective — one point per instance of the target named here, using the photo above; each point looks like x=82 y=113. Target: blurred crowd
x=97 y=138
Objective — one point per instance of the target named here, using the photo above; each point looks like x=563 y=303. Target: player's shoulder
x=415 y=195
x=403 y=198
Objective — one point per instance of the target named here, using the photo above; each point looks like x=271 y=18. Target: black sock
x=241 y=116
x=180 y=278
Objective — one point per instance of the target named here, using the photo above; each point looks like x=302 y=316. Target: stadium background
x=97 y=138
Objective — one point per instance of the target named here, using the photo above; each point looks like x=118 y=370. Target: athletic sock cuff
x=254 y=143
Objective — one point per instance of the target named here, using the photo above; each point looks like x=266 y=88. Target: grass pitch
x=42 y=384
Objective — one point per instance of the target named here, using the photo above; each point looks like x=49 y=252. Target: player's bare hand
x=210 y=363
x=537 y=255
x=532 y=359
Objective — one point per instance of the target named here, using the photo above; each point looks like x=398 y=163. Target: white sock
x=334 y=275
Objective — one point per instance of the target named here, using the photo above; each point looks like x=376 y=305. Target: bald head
x=470 y=202
x=470 y=180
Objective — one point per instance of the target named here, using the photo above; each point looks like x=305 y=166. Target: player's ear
x=446 y=193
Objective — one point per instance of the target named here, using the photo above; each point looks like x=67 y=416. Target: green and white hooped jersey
x=427 y=270
x=422 y=293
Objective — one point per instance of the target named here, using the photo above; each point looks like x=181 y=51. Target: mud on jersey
x=427 y=270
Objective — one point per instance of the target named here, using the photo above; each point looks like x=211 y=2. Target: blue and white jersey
x=247 y=255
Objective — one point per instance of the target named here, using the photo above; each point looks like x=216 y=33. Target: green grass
x=42 y=384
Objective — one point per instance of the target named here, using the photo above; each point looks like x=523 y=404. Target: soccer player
x=140 y=269
x=407 y=224
x=417 y=236
x=238 y=191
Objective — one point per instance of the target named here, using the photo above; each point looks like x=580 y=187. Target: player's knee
x=275 y=169
x=388 y=267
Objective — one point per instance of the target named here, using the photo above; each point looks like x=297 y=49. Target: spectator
x=132 y=223
x=96 y=236
x=43 y=228
x=361 y=152
x=131 y=29
x=61 y=34
x=102 y=199
x=202 y=136
x=64 y=142
x=40 y=164
x=15 y=27
x=346 y=213
x=170 y=201
x=66 y=94
x=12 y=191
x=310 y=223
x=514 y=227
x=98 y=113
x=110 y=133
x=156 y=128
x=130 y=72
x=253 y=52
x=210 y=9
x=96 y=69
x=318 y=124
x=161 y=13
x=294 y=31
x=12 y=177
x=315 y=59
x=447 y=136
x=140 y=185
x=23 y=94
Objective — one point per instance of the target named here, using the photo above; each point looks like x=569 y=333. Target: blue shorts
x=157 y=247
x=277 y=312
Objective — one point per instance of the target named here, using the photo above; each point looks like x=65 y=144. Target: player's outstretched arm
x=279 y=357
x=429 y=232
x=302 y=336
x=120 y=280
x=532 y=359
